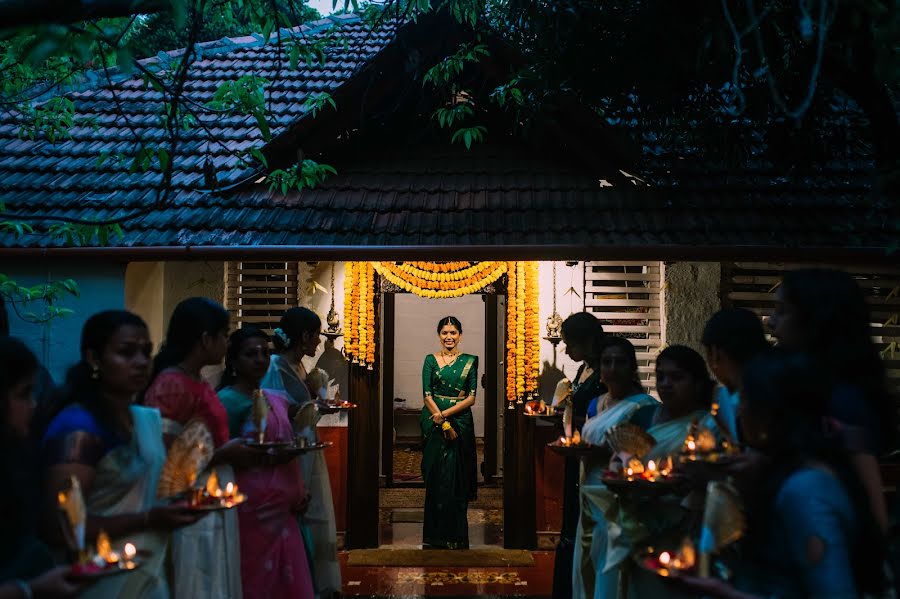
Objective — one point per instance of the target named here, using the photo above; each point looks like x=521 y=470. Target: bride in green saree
x=449 y=380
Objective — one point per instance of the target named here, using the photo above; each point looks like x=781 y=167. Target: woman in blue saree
x=115 y=449
x=449 y=380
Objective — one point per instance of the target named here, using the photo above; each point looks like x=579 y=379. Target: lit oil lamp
x=105 y=556
x=213 y=494
x=666 y=563
x=129 y=553
x=537 y=407
x=701 y=444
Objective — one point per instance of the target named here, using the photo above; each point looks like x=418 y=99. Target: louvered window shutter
x=258 y=293
x=626 y=297
x=752 y=285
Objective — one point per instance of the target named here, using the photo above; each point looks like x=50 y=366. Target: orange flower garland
x=441 y=266
x=363 y=314
x=370 y=314
x=511 y=320
x=520 y=330
x=442 y=285
x=450 y=279
x=534 y=326
x=359 y=313
x=351 y=309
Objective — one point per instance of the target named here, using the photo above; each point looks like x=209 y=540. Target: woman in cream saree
x=296 y=337
x=625 y=396
x=686 y=392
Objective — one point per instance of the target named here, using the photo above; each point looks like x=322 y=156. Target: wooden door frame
x=519 y=501
x=488 y=394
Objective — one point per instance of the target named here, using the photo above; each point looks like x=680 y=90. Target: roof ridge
x=96 y=78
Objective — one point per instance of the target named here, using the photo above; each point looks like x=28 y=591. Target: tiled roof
x=498 y=194
x=38 y=174
x=503 y=196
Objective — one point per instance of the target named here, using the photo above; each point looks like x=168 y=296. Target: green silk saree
x=448 y=467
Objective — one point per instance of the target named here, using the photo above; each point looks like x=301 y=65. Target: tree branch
x=20 y=13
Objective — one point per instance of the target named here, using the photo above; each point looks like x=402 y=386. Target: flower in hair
x=283 y=336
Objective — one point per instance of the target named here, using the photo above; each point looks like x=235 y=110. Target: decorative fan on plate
x=190 y=453
x=629 y=438
x=723 y=515
x=562 y=392
x=74 y=515
x=724 y=521
x=260 y=415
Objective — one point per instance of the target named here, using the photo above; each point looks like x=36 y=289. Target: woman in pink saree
x=273 y=556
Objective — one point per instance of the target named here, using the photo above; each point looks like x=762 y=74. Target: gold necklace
x=445 y=354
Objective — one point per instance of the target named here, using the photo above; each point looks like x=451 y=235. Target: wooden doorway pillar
x=519 y=502
x=362 y=455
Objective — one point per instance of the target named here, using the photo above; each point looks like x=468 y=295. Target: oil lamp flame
x=691 y=445
x=665 y=558
x=212 y=485
x=130 y=551
x=104 y=548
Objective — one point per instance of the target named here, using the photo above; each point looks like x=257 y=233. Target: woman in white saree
x=686 y=391
x=624 y=397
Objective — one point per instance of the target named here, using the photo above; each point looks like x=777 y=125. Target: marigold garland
x=351 y=309
x=520 y=329
x=533 y=326
x=442 y=277
x=359 y=313
x=511 y=319
x=441 y=266
x=444 y=280
x=402 y=276
x=370 y=314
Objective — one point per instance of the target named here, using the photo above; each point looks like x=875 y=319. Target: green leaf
x=263 y=125
x=267 y=29
x=163 y=156
x=71 y=286
x=469 y=135
x=257 y=153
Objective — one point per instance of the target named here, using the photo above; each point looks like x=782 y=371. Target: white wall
x=102 y=287
x=556 y=360
x=328 y=356
x=415 y=337
x=144 y=285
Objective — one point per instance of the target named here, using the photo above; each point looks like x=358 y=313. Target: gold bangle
x=445 y=426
